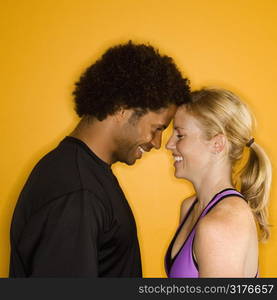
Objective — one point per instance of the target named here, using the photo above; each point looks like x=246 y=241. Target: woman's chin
x=179 y=175
x=182 y=175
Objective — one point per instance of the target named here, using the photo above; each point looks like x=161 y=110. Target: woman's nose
x=170 y=145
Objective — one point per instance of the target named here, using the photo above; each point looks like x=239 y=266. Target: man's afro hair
x=130 y=76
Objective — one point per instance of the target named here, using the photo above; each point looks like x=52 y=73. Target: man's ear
x=122 y=114
x=219 y=142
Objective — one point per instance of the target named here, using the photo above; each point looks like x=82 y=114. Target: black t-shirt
x=73 y=220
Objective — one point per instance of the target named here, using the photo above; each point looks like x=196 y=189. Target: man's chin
x=128 y=162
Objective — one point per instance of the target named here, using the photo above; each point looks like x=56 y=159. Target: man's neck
x=97 y=135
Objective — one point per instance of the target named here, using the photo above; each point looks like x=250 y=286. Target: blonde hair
x=222 y=112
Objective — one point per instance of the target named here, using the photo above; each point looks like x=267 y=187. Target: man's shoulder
x=67 y=164
x=60 y=172
x=56 y=170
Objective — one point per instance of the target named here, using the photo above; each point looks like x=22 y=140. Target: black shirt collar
x=72 y=139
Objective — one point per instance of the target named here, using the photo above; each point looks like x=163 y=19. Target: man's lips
x=141 y=149
x=144 y=149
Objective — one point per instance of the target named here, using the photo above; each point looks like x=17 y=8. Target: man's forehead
x=160 y=118
x=163 y=114
x=162 y=121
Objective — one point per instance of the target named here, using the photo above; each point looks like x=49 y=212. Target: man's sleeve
x=68 y=246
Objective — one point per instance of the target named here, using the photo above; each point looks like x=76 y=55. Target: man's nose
x=157 y=141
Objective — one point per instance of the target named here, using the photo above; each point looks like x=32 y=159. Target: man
x=72 y=218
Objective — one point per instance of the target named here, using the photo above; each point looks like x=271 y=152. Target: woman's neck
x=215 y=181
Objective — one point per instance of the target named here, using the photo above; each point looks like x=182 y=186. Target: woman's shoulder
x=232 y=209
x=226 y=236
x=231 y=217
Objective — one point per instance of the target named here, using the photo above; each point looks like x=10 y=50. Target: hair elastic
x=250 y=142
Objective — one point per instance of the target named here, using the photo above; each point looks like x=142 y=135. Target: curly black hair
x=130 y=76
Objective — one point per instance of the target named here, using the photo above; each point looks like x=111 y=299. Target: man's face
x=141 y=134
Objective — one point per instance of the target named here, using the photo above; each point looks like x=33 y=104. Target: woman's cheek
x=181 y=146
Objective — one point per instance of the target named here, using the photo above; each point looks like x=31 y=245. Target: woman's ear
x=218 y=143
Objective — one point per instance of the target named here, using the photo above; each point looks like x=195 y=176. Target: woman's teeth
x=178 y=158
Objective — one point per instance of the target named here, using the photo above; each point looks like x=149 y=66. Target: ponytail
x=222 y=112
x=255 y=186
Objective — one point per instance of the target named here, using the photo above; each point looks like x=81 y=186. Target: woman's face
x=192 y=152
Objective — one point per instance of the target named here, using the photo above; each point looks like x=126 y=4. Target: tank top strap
x=220 y=196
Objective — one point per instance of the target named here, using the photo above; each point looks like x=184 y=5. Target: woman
x=217 y=236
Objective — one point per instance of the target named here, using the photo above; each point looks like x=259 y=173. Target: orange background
x=45 y=45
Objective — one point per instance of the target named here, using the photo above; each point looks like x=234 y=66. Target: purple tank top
x=183 y=265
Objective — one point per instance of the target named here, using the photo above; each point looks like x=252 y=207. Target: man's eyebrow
x=178 y=127
x=163 y=126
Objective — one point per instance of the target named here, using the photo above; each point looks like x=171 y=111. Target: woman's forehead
x=185 y=120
